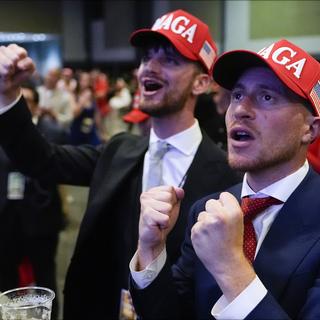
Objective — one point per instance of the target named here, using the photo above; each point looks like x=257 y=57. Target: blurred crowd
x=91 y=107
x=87 y=104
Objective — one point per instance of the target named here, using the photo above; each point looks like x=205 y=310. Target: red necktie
x=251 y=207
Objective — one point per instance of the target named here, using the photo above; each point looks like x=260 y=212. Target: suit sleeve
x=270 y=307
x=303 y=305
x=35 y=157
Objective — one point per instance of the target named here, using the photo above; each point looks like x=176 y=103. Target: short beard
x=263 y=162
x=168 y=107
x=172 y=102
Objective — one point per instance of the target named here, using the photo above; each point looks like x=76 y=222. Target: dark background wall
x=96 y=33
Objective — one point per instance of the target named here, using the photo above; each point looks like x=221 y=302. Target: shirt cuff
x=144 y=277
x=9 y=106
x=242 y=305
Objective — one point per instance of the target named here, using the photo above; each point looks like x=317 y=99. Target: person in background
x=139 y=122
x=101 y=88
x=210 y=112
x=259 y=260
x=31 y=218
x=175 y=68
x=67 y=80
x=120 y=103
x=55 y=103
x=83 y=128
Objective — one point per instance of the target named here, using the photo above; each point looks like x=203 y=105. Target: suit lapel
x=127 y=159
x=292 y=234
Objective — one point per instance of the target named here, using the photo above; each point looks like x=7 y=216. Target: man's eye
x=171 y=60
x=236 y=95
x=267 y=97
x=145 y=58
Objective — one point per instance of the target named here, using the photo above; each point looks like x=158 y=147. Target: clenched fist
x=15 y=68
x=159 y=212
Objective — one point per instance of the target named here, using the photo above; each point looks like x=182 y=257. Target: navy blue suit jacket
x=288 y=264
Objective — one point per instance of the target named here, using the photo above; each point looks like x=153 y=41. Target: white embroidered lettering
x=284 y=60
x=179 y=28
x=179 y=25
x=298 y=65
x=283 y=56
x=265 y=52
x=158 y=23
x=166 y=23
x=189 y=34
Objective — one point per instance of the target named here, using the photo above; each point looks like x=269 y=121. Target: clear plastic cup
x=27 y=303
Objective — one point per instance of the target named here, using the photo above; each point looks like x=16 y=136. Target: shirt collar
x=186 y=141
x=281 y=189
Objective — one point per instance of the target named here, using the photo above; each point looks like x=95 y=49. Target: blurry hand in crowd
x=15 y=68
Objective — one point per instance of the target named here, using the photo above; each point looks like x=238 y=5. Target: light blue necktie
x=157 y=151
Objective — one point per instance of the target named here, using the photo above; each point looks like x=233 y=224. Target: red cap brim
x=142 y=37
x=135 y=116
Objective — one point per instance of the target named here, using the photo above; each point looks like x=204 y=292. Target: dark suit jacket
x=39 y=197
x=39 y=213
x=109 y=230
x=30 y=224
x=288 y=263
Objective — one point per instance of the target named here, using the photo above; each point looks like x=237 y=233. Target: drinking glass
x=27 y=303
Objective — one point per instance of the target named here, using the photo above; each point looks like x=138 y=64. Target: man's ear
x=314 y=130
x=201 y=84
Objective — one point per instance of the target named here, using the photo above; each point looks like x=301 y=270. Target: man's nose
x=153 y=64
x=244 y=109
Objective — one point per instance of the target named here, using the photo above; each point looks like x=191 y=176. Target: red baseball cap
x=135 y=116
x=189 y=35
x=298 y=70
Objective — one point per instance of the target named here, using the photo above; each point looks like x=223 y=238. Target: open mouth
x=241 y=135
x=151 y=85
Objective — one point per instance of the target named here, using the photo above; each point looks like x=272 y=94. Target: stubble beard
x=170 y=103
x=264 y=161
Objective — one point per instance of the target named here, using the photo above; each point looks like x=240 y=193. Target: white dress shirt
x=179 y=157
x=249 y=298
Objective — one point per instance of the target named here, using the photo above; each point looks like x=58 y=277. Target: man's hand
x=15 y=68
x=159 y=212
x=217 y=238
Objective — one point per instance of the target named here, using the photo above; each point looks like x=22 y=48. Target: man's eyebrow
x=268 y=87
x=277 y=89
x=238 y=86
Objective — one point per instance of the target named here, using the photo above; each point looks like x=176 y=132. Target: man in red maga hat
x=253 y=251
